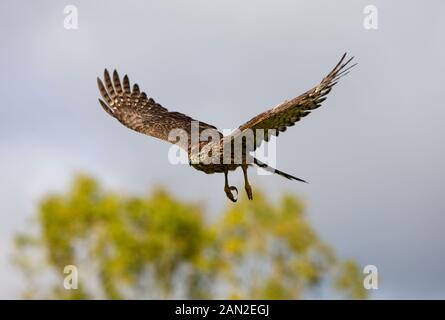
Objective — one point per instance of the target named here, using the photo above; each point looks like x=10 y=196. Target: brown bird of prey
x=138 y=112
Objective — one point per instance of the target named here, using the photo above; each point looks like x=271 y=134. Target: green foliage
x=160 y=247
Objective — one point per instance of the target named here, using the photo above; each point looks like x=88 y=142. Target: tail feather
x=273 y=170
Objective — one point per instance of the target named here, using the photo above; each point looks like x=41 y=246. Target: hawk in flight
x=136 y=111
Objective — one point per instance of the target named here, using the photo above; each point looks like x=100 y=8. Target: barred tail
x=273 y=170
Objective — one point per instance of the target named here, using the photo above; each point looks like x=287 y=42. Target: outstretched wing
x=285 y=115
x=138 y=112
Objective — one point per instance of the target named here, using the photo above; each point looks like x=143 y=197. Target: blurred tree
x=160 y=247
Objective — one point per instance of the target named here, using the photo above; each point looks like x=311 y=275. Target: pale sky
x=373 y=153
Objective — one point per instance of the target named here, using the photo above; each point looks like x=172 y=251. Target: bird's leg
x=228 y=189
x=246 y=183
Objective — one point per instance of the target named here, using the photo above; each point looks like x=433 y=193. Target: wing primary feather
x=103 y=91
x=343 y=71
x=126 y=81
x=117 y=83
x=106 y=108
x=109 y=84
x=339 y=63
